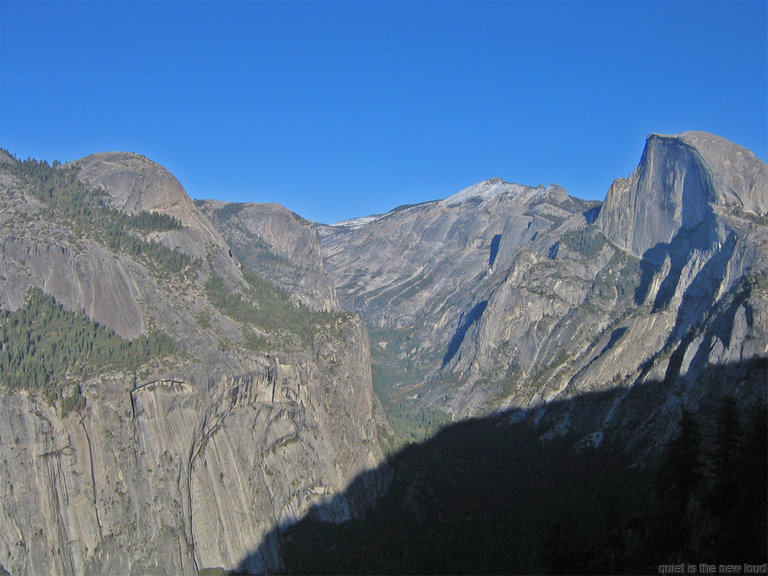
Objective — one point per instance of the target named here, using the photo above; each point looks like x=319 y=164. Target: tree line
x=46 y=348
x=84 y=208
x=265 y=305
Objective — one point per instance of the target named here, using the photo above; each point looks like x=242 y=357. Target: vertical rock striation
x=192 y=459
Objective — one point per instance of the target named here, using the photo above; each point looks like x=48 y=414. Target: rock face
x=509 y=296
x=397 y=264
x=283 y=245
x=678 y=180
x=192 y=459
x=500 y=296
x=135 y=183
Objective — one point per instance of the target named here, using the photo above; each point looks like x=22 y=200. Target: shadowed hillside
x=507 y=494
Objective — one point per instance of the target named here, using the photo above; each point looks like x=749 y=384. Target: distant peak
x=679 y=181
x=355 y=223
x=739 y=177
x=484 y=190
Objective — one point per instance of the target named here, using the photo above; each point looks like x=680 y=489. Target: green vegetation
x=213 y=572
x=739 y=212
x=394 y=379
x=84 y=209
x=412 y=287
x=755 y=281
x=226 y=211
x=267 y=307
x=512 y=379
x=629 y=276
x=204 y=319
x=257 y=255
x=411 y=425
x=620 y=278
x=587 y=241
x=45 y=348
x=711 y=504
x=556 y=220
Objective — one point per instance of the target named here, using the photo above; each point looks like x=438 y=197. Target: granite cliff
x=220 y=369
x=260 y=408
x=281 y=244
x=506 y=296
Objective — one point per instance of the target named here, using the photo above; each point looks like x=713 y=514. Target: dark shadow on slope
x=677 y=253
x=591 y=215
x=651 y=263
x=681 y=250
x=702 y=291
x=465 y=324
x=616 y=335
x=695 y=307
x=495 y=243
x=490 y=496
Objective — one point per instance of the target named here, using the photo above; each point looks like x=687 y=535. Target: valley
x=196 y=386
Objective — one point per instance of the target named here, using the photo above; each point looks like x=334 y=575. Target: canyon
x=304 y=354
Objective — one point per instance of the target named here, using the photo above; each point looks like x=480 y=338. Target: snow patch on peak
x=483 y=191
x=355 y=223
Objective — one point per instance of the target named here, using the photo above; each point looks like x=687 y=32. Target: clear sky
x=344 y=109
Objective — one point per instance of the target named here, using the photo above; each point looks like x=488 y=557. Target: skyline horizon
x=341 y=109
x=446 y=195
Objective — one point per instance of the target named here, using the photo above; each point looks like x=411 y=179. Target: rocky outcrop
x=193 y=459
x=176 y=475
x=135 y=183
x=677 y=182
x=418 y=256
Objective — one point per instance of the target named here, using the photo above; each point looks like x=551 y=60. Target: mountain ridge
x=541 y=301
x=303 y=353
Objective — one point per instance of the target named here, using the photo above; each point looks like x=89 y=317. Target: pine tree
x=680 y=474
x=749 y=517
x=724 y=492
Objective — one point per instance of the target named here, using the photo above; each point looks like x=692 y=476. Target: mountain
x=190 y=385
x=679 y=181
x=605 y=366
x=506 y=296
x=162 y=406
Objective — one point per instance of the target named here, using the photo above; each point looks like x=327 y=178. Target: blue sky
x=343 y=109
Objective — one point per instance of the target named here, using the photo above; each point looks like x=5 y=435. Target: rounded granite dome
x=741 y=179
x=135 y=183
x=678 y=181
